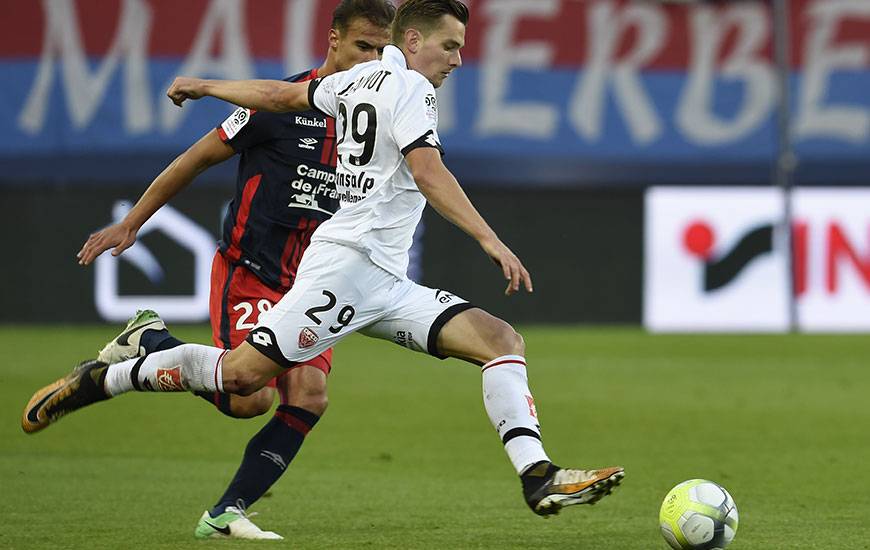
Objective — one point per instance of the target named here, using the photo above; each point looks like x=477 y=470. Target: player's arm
x=275 y=96
x=206 y=152
x=443 y=192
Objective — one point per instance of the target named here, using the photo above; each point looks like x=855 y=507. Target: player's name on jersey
x=370 y=82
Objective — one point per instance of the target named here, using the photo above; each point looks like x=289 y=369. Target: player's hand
x=514 y=271
x=118 y=235
x=184 y=88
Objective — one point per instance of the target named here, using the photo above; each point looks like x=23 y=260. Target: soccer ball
x=698 y=515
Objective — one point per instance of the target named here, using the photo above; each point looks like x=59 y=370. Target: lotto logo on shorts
x=169 y=379
x=307 y=338
x=262 y=338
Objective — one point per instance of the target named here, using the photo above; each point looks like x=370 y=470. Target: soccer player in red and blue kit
x=285 y=189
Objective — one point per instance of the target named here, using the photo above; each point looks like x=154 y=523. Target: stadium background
x=564 y=118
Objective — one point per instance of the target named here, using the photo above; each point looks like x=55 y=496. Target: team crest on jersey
x=307 y=338
x=169 y=379
x=236 y=122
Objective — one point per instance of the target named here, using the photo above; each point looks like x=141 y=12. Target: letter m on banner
x=85 y=89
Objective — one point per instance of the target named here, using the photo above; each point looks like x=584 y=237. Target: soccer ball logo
x=698 y=515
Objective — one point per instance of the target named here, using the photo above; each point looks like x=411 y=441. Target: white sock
x=511 y=410
x=189 y=367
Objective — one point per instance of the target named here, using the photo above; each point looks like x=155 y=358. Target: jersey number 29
x=367 y=138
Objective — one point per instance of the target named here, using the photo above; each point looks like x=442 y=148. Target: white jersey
x=383 y=110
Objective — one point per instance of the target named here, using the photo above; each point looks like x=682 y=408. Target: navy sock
x=158 y=340
x=267 y=456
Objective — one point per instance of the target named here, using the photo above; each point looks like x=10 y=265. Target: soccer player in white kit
x=352 y=277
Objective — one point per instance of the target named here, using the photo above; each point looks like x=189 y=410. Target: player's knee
x=256 y=404
x=519 y=344
x=306 y=388
x=311 y=398
x=245 y=384
x=240 y=377
x=241 y=382
x=515 y=342
x=315 y=404
x=319 y=402
x=508 y=341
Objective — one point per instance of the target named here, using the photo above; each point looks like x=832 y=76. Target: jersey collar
x=395 y=55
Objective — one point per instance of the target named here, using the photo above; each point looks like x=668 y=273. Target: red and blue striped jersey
x=285 y=188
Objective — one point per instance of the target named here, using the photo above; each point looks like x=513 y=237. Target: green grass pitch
x=406 y=458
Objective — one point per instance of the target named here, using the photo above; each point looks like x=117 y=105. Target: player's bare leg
x=245 y=370
x=301 y=387
x=306 y=388
x=189 y=367
x=478 y=337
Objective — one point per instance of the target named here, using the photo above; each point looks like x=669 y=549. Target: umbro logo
x=307 y=143
x=262 y=338
x=274 y=457
x=430 y=139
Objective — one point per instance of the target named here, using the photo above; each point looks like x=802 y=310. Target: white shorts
x=338 y=291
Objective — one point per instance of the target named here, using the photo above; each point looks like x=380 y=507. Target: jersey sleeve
x=323 y=94
x=246 y=128
x=415 y=121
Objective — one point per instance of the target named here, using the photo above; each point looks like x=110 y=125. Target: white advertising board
x=832 y=259
x=715 y=260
